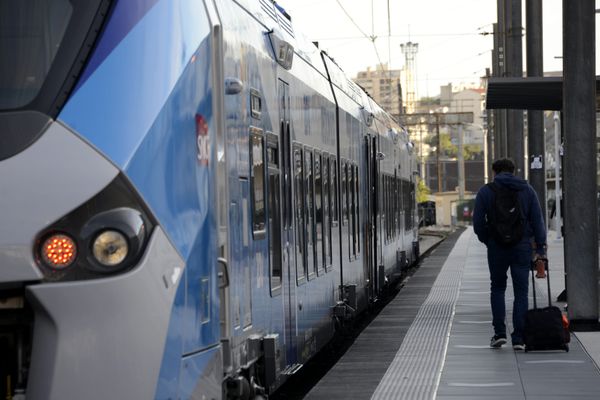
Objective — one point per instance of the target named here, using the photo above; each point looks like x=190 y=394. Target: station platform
x=432 y=340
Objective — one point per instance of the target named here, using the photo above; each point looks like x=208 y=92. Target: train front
x=107 y=229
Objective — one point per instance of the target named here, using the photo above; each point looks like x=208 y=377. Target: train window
x=257 y=162
x=274 y=213
x=384 y=201
x=407 y=206
x=407 y=200
x=310 y=210
x=395 y=203
x=284 y=135
x=344 y=195
x=299 y=213
x=390 y=211
x=400 y=203
x=255 y=103
x=32 y=34
x=326 y=211
x=381 y=205
x=411 y=202
x=389 y=203
x=318 y=211
x=357 y=190
x=410 y=213
x=272 y=154
x=393 y=207
x=352 y=208
x=395 y=192
x=334 y=192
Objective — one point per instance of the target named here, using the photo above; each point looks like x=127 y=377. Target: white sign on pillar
x=536 y=162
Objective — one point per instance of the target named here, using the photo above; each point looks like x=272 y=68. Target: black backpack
x=506 y=221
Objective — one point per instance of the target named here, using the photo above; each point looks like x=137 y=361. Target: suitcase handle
x=547 y=280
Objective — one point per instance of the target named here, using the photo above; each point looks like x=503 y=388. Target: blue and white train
x=192 y=197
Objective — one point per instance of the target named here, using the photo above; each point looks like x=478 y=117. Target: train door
x=286 y=220
x=369 y=218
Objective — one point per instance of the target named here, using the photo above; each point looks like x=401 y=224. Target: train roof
x=273 y=16
x=341 y=80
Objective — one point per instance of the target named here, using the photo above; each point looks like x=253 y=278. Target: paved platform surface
x=432 y=340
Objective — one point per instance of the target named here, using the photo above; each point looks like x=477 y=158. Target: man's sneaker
x=518 y=346
x=497 y=341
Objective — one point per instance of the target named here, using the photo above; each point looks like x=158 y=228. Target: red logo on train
x=202 y=140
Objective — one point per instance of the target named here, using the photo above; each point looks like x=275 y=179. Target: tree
x=449 y=150
x=473 y=152
x=422 y=191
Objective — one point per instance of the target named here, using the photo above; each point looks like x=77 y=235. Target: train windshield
x=31 y=34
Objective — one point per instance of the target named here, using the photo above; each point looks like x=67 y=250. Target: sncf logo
x=202 y=140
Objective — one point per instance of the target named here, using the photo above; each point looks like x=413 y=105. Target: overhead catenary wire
x=370 y=38
x=352 y=19
x=388 y=93
x=412 y=35
x=463 y=33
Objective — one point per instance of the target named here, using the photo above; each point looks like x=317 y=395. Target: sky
x=453 y=36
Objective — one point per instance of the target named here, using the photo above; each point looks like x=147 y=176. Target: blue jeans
x=500 y=259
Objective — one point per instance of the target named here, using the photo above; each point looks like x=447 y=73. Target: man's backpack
x=506 y=220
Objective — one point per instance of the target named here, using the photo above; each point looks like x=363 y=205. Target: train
x=193 y=198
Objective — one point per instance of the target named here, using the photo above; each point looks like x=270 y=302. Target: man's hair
x=503 y=165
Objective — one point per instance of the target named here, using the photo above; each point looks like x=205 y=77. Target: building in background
x=470 y=100
x=383 y=85
x=464 y=99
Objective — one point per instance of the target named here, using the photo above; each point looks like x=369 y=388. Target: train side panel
x=294 y=132
x=147 y=105
x=312 y=154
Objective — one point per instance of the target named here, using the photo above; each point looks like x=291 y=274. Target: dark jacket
x=530 y=208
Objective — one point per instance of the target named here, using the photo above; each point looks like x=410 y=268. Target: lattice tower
x=410 y=49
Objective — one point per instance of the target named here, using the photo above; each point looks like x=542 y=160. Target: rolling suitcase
x=544 y=327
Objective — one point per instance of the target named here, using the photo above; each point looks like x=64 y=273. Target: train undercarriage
x=16 y=332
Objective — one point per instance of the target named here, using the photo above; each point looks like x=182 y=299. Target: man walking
x=508 y=219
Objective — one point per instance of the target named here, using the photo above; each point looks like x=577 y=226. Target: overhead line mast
x=410 y=49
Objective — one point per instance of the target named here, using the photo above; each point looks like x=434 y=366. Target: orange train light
x=59 y=251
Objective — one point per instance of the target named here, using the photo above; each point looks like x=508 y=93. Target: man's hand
x=540 y=264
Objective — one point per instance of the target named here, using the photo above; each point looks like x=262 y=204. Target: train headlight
x=110 y=248
x=115 y=239
x=105 y=236
x=58 y=251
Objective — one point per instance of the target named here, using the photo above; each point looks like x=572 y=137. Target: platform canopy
x=527 y=93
